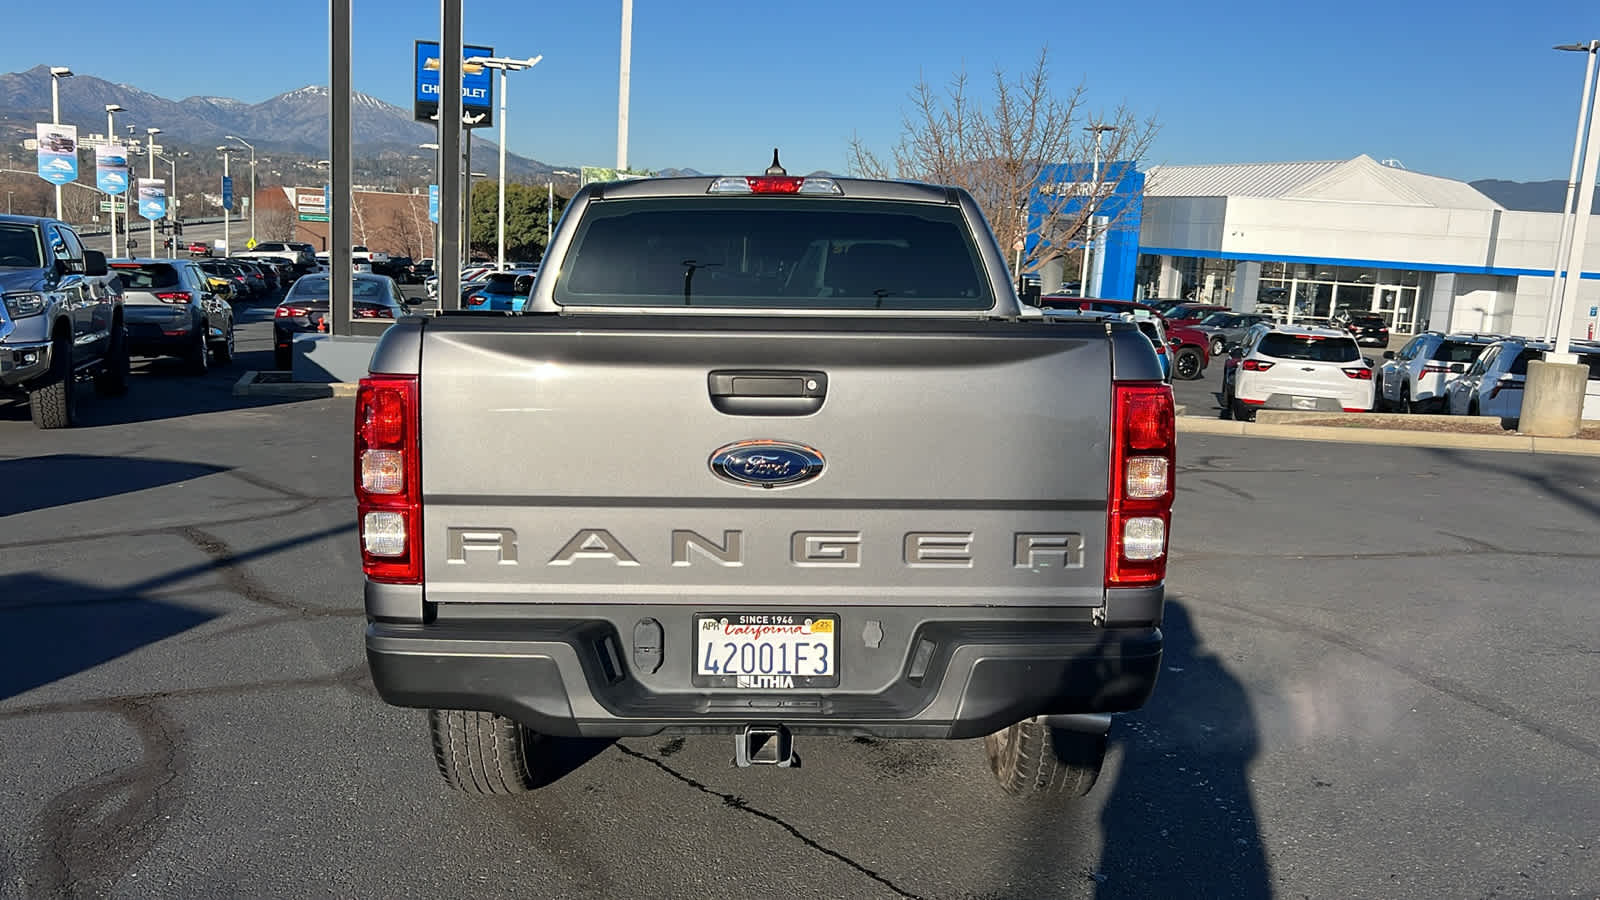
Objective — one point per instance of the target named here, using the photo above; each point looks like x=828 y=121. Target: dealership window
x=1322 y=291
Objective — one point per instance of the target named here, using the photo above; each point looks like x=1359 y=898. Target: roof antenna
x=775 y=169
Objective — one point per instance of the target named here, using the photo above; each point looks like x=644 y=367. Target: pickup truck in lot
x=768 y=457
x=61 y=319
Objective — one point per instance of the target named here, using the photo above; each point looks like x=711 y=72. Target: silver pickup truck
x=61 y=319
x=765 y=456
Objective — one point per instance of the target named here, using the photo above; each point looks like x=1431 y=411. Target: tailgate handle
x=765 y=392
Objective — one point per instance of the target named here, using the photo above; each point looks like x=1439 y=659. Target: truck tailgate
x=568 y=459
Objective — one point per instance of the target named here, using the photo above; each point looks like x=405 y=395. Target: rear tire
x=1406 y=406
x=1186 y=365
x=1241 y=412
x=113 y=379
x=52 y=405
x=486 y=754
x=1031 y=759
x=198 y=355
x=222 y=351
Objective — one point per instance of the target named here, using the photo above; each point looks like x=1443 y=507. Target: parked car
x=1190 y=313
x=221 y=286
x=62 y=319
x=1493 y=385
x=500 y=291
x=172 y=311
x=199 y=248
x=1295 y=367
x=1415 y=379
x=1191 y=351
x=1368 y=328
x=244 y=287
x=302 y=255
x=265 y=283
x=1149 y=325
x=1225 y=328
x=305 y=309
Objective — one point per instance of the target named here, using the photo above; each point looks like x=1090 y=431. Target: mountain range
x=292 y=122
x=1529 y=196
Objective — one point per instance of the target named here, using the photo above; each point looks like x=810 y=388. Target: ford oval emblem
x=766 y=464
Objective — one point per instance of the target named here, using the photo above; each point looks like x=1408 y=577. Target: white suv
x=1495 y=383
x=1415 y=379
x=1291 y=367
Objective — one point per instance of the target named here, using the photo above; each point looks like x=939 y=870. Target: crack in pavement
x=348 y=679
x=96 y=831
x=299 y=507
x=238 y=581
x=736 y=802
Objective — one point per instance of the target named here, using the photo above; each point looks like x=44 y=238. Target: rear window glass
x=775 y=253
x=1519 y=366
x=316 y=287
x=1456 y=352
x=144 y=278
x=1316 y=349
x=501 y=283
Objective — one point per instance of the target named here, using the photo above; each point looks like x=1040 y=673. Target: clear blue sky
x=1465 y=89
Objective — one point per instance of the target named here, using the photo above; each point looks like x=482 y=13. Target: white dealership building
x=1424 y=251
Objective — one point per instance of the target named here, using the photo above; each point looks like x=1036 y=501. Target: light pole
x=1563 y=246
x=234 y=137
x=111 y=138
x=56 y=74
x=504 y=65
x=622 y=85
x=227 y=218
x=1094 y=191
x=176 y=207
x=150 y=151
x=1561 y=352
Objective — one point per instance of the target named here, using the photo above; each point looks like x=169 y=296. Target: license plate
x=766 y=651
x=1305 y=402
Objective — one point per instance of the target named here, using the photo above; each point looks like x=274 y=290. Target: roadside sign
x=1594 y=310
x=152 y=198
x=121 y=207
x=111 y=168
x=58 y=152
x=433 y=203
x=227 y=192
x=311 y=204
x=477 y=85
x=250 y=244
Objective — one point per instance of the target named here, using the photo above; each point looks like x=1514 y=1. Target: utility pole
x=1094 y=193
x=622 y=85
x=505 y=66
x=56 y=74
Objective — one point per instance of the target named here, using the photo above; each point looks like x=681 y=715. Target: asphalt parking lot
x=1381 y=680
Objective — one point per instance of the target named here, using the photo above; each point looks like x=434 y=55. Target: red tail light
x=1360 y=374
x=1435 y=370
x=1143 y=457
x=388 y=478
x=476 y=300
x=1256 y=365
x=173 y=296
x=290 y=312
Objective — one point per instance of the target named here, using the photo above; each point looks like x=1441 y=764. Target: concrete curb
x=248 y=386
x=1509 y=443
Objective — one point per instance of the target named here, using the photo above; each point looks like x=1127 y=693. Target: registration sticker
x=766 y=651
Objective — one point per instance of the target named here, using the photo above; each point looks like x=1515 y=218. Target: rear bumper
x=904 y=672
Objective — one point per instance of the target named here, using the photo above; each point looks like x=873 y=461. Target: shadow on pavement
x=1551 y=475
x=52 y=628
x=1180 y=820
x=40 y=482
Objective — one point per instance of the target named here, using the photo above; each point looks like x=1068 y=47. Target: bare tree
x=275 y=223
x=1028 y=152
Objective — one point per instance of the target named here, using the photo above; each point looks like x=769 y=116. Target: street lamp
x=504 y=65
x=227 y=243
x=1094 y=190
x=150 y=151
x=177 y=207
x=623 y=76
x=234 y=137
x=1564 y=243
x=56 y=74
x=111 y=137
